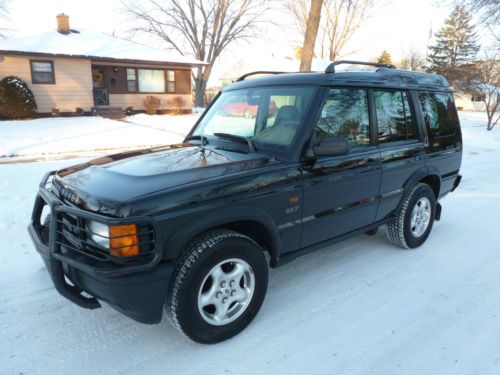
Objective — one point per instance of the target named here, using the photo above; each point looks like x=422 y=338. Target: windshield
x=269 y=117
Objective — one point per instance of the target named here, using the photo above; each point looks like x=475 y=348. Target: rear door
x=341 y=192
x=400 y=144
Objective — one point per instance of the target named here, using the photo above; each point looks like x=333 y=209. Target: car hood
x=104 y=183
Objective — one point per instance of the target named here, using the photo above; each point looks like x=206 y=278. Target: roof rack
x=331 y=68
x=244 y=76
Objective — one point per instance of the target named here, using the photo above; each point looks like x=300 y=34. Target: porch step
x=114 y=113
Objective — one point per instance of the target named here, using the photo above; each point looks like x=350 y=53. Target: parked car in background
x=239 y=106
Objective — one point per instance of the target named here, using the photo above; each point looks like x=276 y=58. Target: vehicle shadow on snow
x=285 y=280
x=110 y=329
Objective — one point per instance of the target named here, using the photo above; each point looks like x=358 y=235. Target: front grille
x=74 y=237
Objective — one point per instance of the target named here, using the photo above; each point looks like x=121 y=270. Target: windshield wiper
x=237 y=138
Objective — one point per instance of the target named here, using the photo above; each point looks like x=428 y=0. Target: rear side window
x=394 y=116
x=439 y=113
x=345 y=114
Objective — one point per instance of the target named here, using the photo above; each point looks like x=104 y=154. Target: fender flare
x=417 y=176
x=217 y=218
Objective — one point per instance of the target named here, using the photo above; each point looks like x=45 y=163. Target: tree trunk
x=199 y=92
x=200 y=85
x=310 y=37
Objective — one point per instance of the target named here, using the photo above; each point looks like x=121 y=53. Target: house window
x=477 y=98
x=42 y=72
x=151 y=80
x=170 y=81
x=131 y=80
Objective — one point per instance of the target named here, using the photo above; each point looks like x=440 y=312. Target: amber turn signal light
x=123 y=240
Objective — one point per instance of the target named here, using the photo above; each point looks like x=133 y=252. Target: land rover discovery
x=191 y=228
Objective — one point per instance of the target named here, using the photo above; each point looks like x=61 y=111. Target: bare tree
x=413 y=60
x=488 y=12
x=299 y=9
x=201 y=28
x=311 y=34
x=489 y=9
x=487 y=87
x=340 y=21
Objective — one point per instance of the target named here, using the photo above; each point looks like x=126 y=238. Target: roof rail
x=244 y=76
x=331 y=68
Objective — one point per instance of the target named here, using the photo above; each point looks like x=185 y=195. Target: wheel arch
x=428 y=175
x=434 y=181
x=251 y=222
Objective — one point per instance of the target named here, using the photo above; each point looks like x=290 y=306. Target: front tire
x=218 y=286
x=415 y=218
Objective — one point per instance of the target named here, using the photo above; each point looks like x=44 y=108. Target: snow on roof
x=91 y=44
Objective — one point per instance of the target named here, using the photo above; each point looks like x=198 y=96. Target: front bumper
x=137 y=289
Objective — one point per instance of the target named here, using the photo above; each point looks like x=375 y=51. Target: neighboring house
x=471 y=102
x=69 y=69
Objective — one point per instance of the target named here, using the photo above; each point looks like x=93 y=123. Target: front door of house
x=100 y=90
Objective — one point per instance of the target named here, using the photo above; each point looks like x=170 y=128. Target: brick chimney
x=63 y=23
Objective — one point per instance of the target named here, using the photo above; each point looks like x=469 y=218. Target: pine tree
x=456 y=46
x=384 y=58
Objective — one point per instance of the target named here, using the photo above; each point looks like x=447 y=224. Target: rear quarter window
x=439 y=113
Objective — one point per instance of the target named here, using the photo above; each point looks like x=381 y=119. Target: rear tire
x=415 y=218
x=218 y=286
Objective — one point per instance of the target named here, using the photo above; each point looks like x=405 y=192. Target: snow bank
x=60 y=137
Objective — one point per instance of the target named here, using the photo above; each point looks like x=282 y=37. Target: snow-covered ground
x=358 y=307
x=60 y=137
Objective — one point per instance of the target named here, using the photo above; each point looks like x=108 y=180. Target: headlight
x=121 y=240
x=99 y=233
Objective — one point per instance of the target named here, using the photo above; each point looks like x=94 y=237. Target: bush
x=176 y=104
x=151 y=104
x=16 y=99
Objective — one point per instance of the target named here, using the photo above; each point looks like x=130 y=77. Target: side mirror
x=332 y=146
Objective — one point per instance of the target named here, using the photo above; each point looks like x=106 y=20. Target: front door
x=341 y=192
x=100 y=90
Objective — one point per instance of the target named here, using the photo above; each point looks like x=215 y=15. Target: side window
x=439 y=113
x=345 y=114
x=394 y=117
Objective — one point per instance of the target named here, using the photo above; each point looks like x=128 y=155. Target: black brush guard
x=56 y=256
